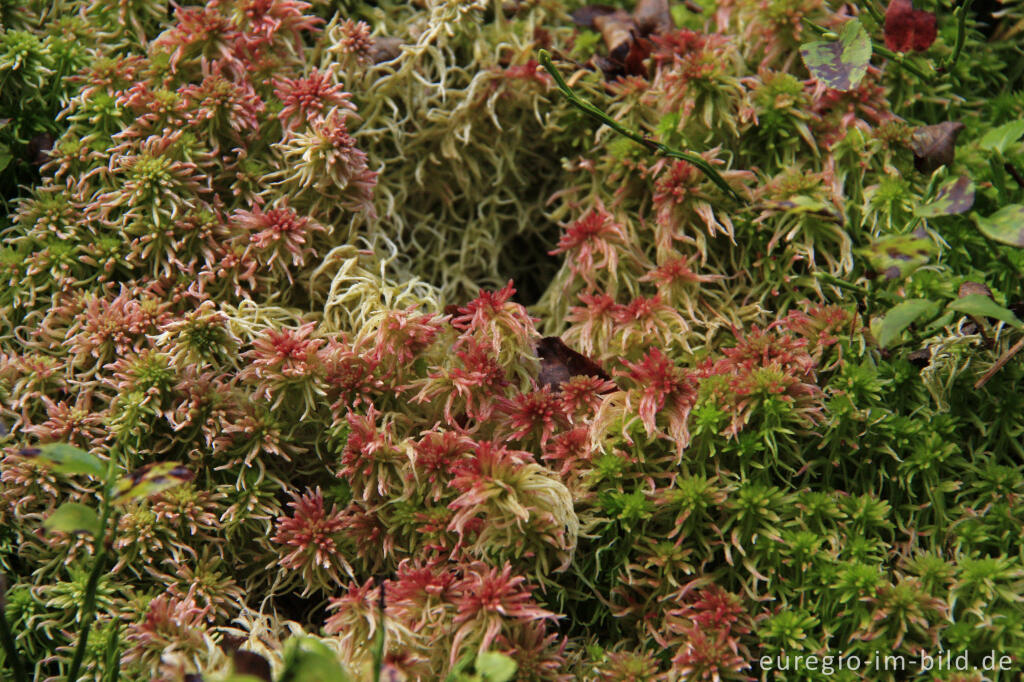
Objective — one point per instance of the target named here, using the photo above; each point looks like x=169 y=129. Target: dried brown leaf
x=558 y=363
x=934 y=145
x=653 y=16
x=619 y=33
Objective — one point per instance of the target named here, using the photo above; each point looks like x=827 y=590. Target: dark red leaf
x=907 y=28
x=558 y=363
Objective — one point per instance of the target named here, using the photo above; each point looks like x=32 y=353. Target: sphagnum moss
x=273 y=242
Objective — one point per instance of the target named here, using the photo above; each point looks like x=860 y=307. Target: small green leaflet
x=1005 y=225
x=898 y=256
x=956 y=196
x=67 y=459
x=979 y=305
x=495 y=667
x=799 y=203
x=902 y=316
x=72 y=517
x=999 y=139
x=840 y=64
x=148 y=480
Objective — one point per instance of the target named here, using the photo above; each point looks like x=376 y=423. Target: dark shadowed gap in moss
x=526 y=261
x=310 y=611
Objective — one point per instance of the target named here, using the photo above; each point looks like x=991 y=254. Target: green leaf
x=309 y=660
x=956 y=196
x=495 y=667
x=1005 y=225
x=5 y=156
x=898 y=256
x=839 y=64
x=902 y=316
x=999 y=139
x=72 y=517
x=67 y=459
x=148 y=480
x=940 y=321
x=979 y=305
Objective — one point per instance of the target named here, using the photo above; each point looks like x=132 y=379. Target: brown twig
x=1003 y=359
x=1012 y=170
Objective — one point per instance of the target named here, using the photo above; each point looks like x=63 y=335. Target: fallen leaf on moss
x=148 y=480
x=839 y=64
x=584 y=16
x=897 y=256
x=558 y=363
x=935 y=145
x=953 y=198
x=618 y=31
x=66 y=459
x=625 y=35
x=653 y=16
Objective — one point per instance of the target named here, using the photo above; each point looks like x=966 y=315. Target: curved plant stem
x=656 y=147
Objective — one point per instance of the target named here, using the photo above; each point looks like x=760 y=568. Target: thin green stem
x=89 y=600
x=961 y=33
x=842 y=284
x=379 y=640
x=7 y=639
x=113 y=672
x=873 y=11
x=641 y=139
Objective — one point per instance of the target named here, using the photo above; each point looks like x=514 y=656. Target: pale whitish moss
x=464 y=151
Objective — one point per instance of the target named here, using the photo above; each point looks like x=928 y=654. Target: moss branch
x=7 y=639
x=961 y=33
